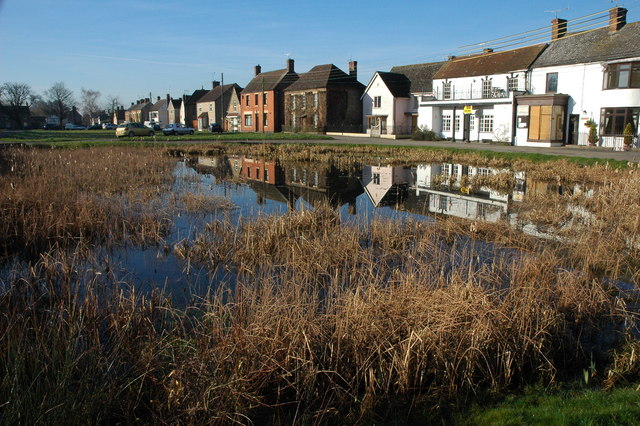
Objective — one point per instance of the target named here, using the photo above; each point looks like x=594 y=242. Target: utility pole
x=222 y=114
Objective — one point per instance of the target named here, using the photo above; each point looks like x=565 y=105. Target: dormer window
x=622 y=76
x=512 y=83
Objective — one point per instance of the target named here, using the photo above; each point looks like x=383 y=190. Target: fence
x=616 y=142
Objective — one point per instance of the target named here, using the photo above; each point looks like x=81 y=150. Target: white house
x=474 y=96
x=589 y=75
x=158 y=112
x=390 y=101
x=383 y=184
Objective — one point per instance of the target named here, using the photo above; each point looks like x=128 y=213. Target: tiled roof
x=420 y=75
x=322 y=76
x=195 y=96
x=398 y=84
x=271 y=80
x=158 y=105
x=177 y=103
x=592 y=46
x=138 y=106
x=490 y=63
x=215 y=93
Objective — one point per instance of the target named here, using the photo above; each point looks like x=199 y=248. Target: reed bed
x=322 y=321
x=96 y=195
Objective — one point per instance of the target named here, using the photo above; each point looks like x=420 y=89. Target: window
x=315 y=100
x=293 y=120
x=486 y=88
x=264 y=99
x=258 y=173
x=377 y=101
x=446 y=90
x=446 y=123
x=472 y=122
x=314 y=176
x=304 y=100
x=266 y=174
x=457 y=123
x=444 y=203
x=249 y=172
x=304 y=176
x=247 y=120
x=234 y=106
x=210 y=107
x=486 y=123
x=293 y=102
x=256 y=96
x=622 y=76
x=294 y=174
x=376 y=178
x=512 y=83
x=315 y=120
x=552 y=82
x=265 y=122
x=546 y=122
x=246 y=100
x=614 y=120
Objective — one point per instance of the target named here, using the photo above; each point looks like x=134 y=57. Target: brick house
x=262 y=101
x=138 y=112
x=189 y=108
x=173 y=111
x=212 y=105
x=118 y=115
x=325 y=99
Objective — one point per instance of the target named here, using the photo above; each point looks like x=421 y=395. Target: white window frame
x=486 y=123
x=446 y=122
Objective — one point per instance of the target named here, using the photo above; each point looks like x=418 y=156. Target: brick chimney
x=487 y=50
x=617 y=18
x=158 y=98
x=290 y=65
x=257 y=69
x=168 y=98
x=353 y=69
x=558 y=28
x=146 y=100
x=214 y=84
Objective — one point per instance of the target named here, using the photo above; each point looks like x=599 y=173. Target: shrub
x=628 y=134
x=593 y=134
x=423 y=133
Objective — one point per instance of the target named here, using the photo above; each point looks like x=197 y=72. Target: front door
x=574 y=129
x=466 y=128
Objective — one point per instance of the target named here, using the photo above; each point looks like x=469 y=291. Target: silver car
x=177 y=129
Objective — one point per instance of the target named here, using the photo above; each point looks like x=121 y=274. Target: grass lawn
x=571 y=407
x=30 y=136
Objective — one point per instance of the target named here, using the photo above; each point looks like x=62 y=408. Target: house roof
x=592 y=46
x=398 y=84
x=490 y=63
x=138 y=106
x=419 y=75
x=195 y=96
x=323 y=76
x=215 y=93
x=270 y=80
x=158 y=105
x=177 y=103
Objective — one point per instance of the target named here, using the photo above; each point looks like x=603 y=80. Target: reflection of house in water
x=386 y=185
x=217 y=166
x=319 y=183
x=266 y=178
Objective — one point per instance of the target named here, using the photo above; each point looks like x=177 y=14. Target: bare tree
x=15 y=96
x=60 y=100
x=89 y=102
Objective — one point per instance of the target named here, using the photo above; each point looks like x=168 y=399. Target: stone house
x=138 y=112
x=325 y=99
x=212 y=106
x=189 y=108
x=173 y=111
x=158 y=113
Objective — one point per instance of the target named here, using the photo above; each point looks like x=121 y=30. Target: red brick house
x=262 y=101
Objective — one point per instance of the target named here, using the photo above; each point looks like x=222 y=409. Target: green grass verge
x=568 y=407
x=35 y=136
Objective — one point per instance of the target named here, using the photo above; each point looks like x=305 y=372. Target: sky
x=132 y=48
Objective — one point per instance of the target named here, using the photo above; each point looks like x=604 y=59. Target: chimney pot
x=290 y=65
x=215 y=84
x=257 y=69
x=558 y=28
x=487 y=50
x=617 y=18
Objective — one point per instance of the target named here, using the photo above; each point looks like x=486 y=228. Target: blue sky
x=130 y=48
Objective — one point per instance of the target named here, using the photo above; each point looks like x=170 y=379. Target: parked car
x=51 y=126
x=215 y=127
x=154 y=126
x=94 y=127
x=71 y=126
x=109 y=126
x=133 y=129
x=177 y=129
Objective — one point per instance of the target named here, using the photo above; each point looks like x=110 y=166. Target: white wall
x=393 y=109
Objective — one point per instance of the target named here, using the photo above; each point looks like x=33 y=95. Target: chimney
x=452 y=57
x=617 y=18
x=146 y=100
x=487 y=50
x=290 y=65
x=168 y=98
x=257 y=69
x=158 y=98
x=353 y=69
x=132 y=104
x=215 y=84
x=558 y=28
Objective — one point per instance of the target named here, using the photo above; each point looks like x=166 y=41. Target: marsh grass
x=324 y=322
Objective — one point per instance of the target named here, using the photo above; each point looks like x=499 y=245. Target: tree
x=89 y=102
x=59 y=100
x=15 y=96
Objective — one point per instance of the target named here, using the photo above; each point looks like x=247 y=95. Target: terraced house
x=262 y=101
x=325 y=99
x=216 y=105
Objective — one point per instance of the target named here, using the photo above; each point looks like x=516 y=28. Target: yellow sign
x=468 y=109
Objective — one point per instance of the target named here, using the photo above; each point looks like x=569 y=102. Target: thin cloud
x=145 y=61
